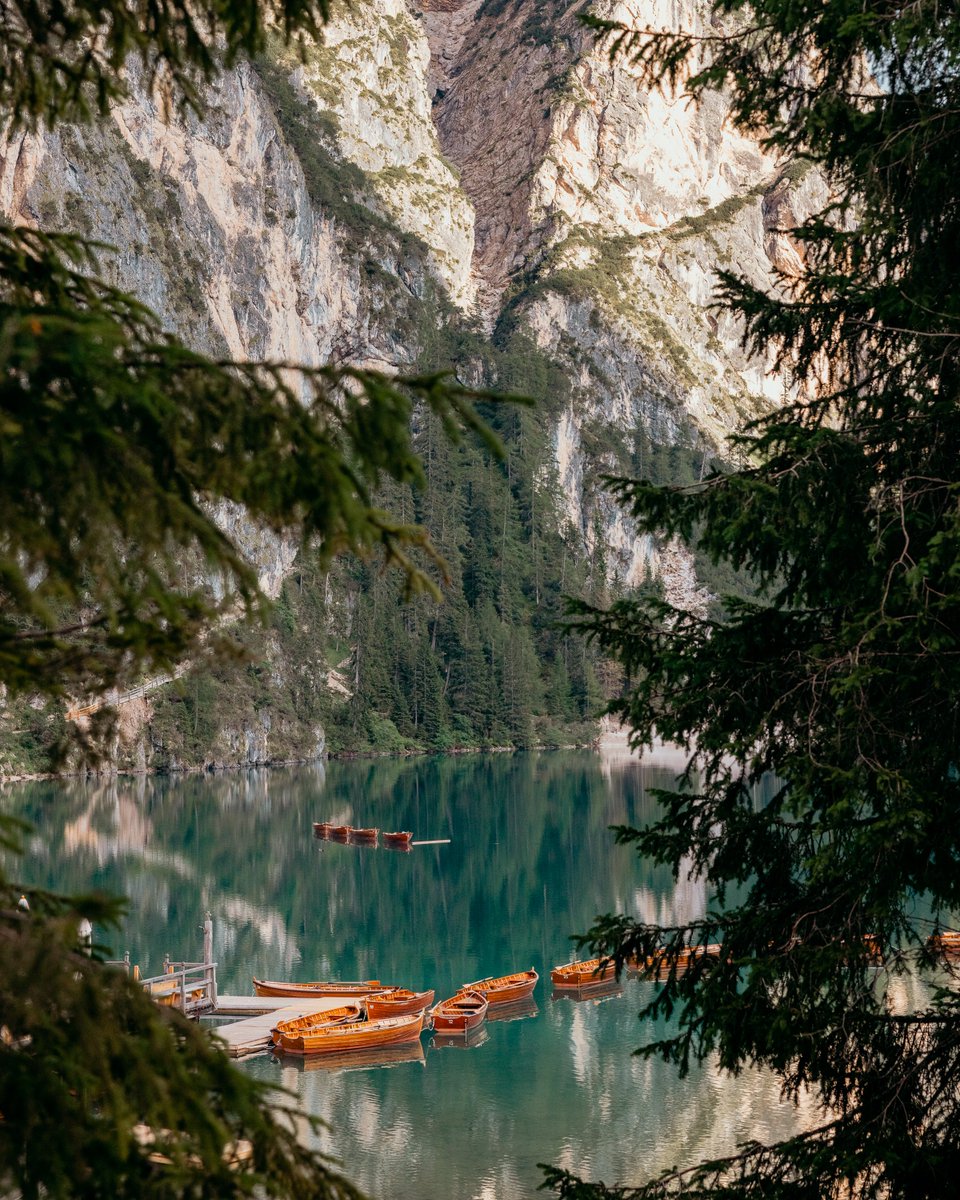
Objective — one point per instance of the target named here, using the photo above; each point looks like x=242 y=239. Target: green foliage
x=841 y=679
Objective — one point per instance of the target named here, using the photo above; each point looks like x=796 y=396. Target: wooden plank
x=433 y=842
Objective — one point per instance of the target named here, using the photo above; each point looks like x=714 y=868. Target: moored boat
x=362 y=835
x=400 y=838
x=294 y=1036
x=397 y=1003
x=321 y=829
x=360 y=1035
x=660 y=960
x=273 y=987
x=947 y=941
x=584 y=974
x=339 y=833
x=459 y=1014
x=505 y=989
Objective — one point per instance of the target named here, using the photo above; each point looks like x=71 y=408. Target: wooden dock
x=252 y=1034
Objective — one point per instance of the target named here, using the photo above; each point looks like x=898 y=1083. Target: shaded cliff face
x=474 y=166
x=606 y=208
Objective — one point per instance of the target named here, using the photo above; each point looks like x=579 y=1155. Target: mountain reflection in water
x=530 y=861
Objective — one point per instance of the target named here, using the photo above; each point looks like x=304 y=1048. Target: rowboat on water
x=399 y=1002
x=460 y=1014
x=402 y=837
x=505 y=989
x=272 y=987
x=584 y=974
x=362 y=835
x=295 y=1036
x=321 y=829
x=661 y=960
x=947 y=941
x=339 y=833
x=358 y=1035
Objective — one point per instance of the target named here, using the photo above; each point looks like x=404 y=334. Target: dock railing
x=191 y=987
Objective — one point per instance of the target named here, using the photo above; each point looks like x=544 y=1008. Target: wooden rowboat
x=362 y=835
x=321 y=829
x=397 y=1003
x=272 y=987
x=505 y=989
x=661 y=963
x=402 y=838
x=947 y=941
x=295 y=1035
x=339 y=833
x=460 y=1014
x=358 y=1035
x=584 y=974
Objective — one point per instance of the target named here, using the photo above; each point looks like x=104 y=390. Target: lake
x=530 y=861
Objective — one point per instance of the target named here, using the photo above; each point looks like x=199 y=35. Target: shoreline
x=611 y=744
x=595 y=744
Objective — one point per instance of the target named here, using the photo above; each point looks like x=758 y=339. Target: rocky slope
x=450 y=164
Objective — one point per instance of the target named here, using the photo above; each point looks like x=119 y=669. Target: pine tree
x=842 y=676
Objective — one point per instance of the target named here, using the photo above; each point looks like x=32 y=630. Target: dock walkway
x=251 y=1035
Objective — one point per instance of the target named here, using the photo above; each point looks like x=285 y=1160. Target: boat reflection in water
x=355 y=1060
x=516 y=1011
x=461 y=1041
x=607 y=989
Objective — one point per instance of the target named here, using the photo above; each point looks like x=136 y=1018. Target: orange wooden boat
x=339 y=833
x=947 y=941
x=584 y=974
x=362 y=835
x=272 y=987
x=295 y=1035
x=358 y=1035
x=402 y=838
x=686 y=956
x=399 y=1002
x=505 y=989
x=460 y=1014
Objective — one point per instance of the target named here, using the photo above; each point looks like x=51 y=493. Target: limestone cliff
x=449 y=163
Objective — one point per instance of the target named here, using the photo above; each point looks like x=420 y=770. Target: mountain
x=472 y=185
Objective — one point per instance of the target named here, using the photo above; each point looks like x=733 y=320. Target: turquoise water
x=530 y=860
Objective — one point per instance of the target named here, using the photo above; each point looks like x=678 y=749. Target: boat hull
x=401 y=1004
x=357 y=1035
x=397 y=840
x=273 y=987
x=505 y=989
x=580 y=975
x=289 y=1035
x=460 y=1014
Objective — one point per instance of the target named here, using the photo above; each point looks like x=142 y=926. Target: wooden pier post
x=211 y=970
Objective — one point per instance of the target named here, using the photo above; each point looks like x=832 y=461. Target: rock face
x=452 y=160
